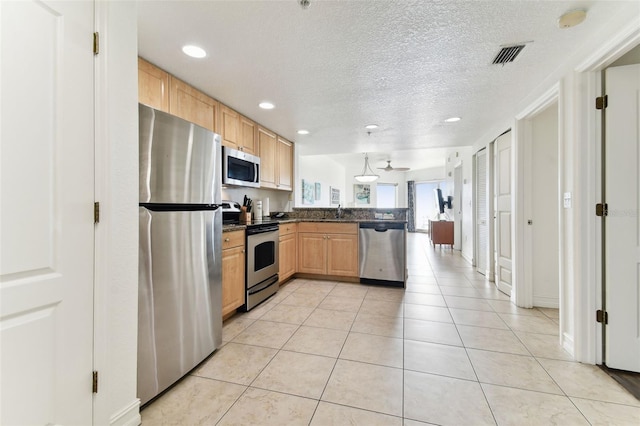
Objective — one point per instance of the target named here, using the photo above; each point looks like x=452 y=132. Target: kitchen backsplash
x=349 y=213
x=278 y=200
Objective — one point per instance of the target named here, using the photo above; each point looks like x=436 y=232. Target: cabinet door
x=287 y=256
x=153 y=86
x=267 y=141
x=284 y=180
x=232 y=279
x=192 y=105
x=248 y=136
x=342 y=255
x=312 y=257
x=229 y=127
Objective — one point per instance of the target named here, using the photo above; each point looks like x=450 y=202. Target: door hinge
x=95 y=382
x=602 y=209
x=96 y=212
x=602 y=102
x=96 y=43
x=602 y=316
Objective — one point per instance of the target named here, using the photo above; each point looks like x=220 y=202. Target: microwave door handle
x=255 y=173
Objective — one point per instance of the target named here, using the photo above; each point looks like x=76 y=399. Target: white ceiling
x=339 y=65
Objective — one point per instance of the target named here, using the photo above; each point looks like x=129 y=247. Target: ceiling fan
x=393 y=169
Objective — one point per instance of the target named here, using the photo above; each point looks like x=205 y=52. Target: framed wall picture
x=362 y=194
x=335 y=196
x=318 y=191
x=308 y=192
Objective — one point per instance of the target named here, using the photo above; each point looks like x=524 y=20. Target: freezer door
x=179 y=161
x=180 y=295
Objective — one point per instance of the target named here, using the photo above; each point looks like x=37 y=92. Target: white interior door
x=46 y=200
x=482 y=213
x=504 y=255
x=622 y=230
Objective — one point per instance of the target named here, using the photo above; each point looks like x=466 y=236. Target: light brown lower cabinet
x=233 y=271
x=288 y=251
x=328 y=248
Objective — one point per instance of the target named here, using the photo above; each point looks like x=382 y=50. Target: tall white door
x=482 y=213
x=502 y=173
x=622 y=230
x=46 y=200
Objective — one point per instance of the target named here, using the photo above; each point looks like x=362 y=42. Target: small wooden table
x=441 y=232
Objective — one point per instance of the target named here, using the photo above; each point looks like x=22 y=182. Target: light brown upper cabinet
x=267 y=141
x=153 y=86
x=276 y=161
x=229 y=127
x=284 y=157
x=237 y=132
x=248 y=136
x=193 y=105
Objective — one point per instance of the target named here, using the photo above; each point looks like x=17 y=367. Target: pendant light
x=364 y=176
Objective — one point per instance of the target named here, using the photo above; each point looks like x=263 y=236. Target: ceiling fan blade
x=389 y=168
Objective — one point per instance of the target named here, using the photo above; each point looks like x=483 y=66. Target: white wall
x=324 y=170
x=426 y=175
x=116 y=288
x=462 y=156
x=544 y=208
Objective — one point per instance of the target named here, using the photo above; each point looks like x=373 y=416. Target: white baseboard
x=128 y=416
x=567 y=344
x=466 y=257
x=546 y=302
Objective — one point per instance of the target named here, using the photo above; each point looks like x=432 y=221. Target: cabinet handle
x=226 y=240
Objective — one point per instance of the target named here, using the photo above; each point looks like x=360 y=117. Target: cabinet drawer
x=288 y=228
x=232 y=239
x=328 y=228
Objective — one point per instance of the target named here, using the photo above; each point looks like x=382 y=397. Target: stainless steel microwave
x=240 y=168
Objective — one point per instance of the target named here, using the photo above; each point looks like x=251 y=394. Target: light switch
x=567 y=200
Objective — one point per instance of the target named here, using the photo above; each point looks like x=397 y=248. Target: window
x=426 y=205
x=387 y=195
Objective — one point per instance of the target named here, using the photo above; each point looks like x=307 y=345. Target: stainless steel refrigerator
x=180 y=283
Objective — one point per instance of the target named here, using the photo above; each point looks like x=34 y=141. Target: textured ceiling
x=339 y=65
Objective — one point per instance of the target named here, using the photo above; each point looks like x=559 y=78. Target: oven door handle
x=263 y=230
x=264 y=285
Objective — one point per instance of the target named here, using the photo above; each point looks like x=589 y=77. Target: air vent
x=508 y=54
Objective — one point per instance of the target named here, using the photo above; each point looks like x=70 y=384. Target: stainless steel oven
x=262 y=263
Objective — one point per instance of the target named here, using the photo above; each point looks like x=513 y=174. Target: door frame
x=523 y=205
x=457 y=205
x=585 y=126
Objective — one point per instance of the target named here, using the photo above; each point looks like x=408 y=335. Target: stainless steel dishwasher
x=383 y=248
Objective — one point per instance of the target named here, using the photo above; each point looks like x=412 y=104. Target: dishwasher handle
x=382 y=227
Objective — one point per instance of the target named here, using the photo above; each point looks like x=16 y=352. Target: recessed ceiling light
x=194 y=51
x=452 y=119
x=303 y=132
x=371 y=126
x=266 y=105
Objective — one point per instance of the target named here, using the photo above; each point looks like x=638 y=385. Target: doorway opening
x=426 y=204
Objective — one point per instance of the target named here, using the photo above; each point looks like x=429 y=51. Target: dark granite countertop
x=230 y=228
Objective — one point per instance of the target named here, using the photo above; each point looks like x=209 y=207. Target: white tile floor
x=448 y=350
